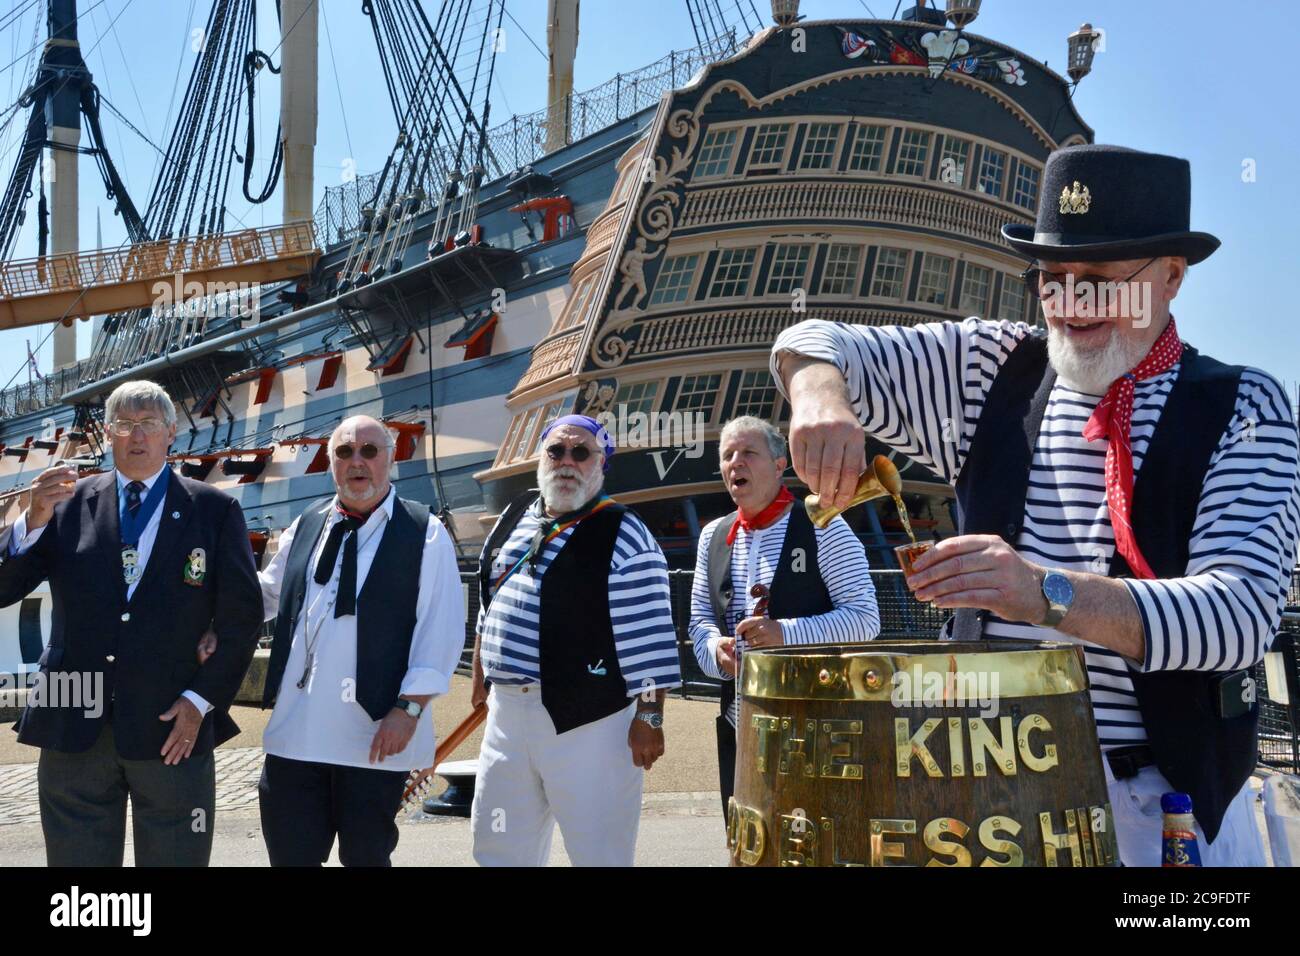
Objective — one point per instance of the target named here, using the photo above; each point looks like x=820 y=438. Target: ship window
x=819 y=146
x=756 y=395
x=868 y=149
x=715 y=153
x=841 y=274
x=698 y=393
x=637 y=397
x=789 y=266
x=891 y=273
x=993 y=173
x=1026 y=191
x=769 y=145
x=577 y=304
x=553 y=411
x=508 y=443
x=952 y=160
x=731 y=277
x=975 y=286
x=674 y=281
x=912 y=153
x=1012 y=304
x=522 y=443
x=936 y=279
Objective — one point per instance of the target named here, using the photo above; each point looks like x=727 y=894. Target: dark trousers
x=83 y=807
x=304 y=805
x=726 y=762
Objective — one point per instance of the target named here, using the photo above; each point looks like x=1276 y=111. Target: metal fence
x=1279 y=724
x=526 y=138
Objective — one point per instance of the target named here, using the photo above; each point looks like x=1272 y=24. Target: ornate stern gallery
x=857 y=171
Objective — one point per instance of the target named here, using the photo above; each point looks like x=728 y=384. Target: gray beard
x=561 y=501
x=1091 y=371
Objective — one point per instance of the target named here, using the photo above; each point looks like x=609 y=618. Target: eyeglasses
x=579 y=453
x=123 y=427
x=368 y=451
x=1039 y=282
x=760 y=592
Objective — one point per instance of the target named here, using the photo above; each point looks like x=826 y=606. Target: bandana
x=764 y=518
x=1112 y=419
x=589 y=424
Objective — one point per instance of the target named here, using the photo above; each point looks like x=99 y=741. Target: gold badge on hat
x=1075 y=201
x=195 y=567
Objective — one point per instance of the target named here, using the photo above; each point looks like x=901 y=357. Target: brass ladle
x=880 y=479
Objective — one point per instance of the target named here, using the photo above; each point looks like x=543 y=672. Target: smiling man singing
x=1117 y=488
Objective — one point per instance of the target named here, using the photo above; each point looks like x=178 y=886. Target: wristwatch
x=651 y=717
x=1060 y=595
x=410 y=706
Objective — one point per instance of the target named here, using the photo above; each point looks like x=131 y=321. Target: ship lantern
x=785 y=12
x=1083 y=44
x=961 y=13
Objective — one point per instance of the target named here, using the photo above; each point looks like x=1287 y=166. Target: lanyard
x=132 y=526
x=538 y=546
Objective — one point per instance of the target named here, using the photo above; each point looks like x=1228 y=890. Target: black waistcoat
x=794 y=592
x=385 y=606
x=580 y=676
x=1198 y=752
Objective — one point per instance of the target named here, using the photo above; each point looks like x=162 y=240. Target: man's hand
x=180 y=742
x=478 y=687
x=207 y=646
x=726 y=656
x=761 y=632
x=646 y=742
x=393 y=735
x=51 y=486
x=980 y=571
x=827 y=445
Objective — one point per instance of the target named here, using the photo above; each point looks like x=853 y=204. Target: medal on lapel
x=195 y=567
x=131 y=567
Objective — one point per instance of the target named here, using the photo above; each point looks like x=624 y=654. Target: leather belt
x=1126 y=762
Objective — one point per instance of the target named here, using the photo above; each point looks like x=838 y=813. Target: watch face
x=1057 y=588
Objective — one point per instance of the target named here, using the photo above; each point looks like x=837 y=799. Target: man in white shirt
x=140 y=562
x=369 y=627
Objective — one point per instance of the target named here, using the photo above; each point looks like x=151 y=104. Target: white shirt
x=322 y=722
x=144 y=547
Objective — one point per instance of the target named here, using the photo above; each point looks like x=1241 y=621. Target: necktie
x=1112 y=419
x=133 y=491
x=345 y=602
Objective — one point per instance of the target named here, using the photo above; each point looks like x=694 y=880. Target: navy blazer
x=143 y=652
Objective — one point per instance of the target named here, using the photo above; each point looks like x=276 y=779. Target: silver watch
x=410 y=706
x=1060 y=596
x=651 y=717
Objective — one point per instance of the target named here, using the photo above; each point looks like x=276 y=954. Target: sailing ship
x=630 y=252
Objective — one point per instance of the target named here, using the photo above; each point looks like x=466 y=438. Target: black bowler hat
x=1102 y=203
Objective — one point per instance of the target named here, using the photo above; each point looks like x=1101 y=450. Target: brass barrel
x=919 y=753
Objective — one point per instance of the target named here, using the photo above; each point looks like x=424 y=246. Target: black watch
x=410 y=706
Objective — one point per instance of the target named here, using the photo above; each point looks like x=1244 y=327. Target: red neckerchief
x=359 y=517
x=1112 y=420
x=764 y=518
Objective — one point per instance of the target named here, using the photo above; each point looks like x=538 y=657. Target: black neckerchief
x=535 y=546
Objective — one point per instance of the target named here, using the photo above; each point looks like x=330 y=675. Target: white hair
x=140 y=396
x=748 y=423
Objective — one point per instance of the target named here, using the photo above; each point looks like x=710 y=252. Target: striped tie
x=133 y=491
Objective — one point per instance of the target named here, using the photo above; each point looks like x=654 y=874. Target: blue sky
x=1162 y=83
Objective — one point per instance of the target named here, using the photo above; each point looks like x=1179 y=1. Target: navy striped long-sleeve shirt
x=842 y=561
x=639 y=608
x=921 y=389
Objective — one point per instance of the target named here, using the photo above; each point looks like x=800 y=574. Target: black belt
x=1126 y=762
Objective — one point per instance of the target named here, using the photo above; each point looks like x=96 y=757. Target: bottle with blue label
x=1180 y=847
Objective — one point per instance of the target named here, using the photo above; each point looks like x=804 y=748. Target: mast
x=562 y=44
x=63 y=120
x=298 y=35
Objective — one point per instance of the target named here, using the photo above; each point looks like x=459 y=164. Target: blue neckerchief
x=133 y=528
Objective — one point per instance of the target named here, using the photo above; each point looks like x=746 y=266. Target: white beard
x=1092 y=371
x=559 y=499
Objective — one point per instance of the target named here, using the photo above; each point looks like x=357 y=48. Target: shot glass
x=907 y=555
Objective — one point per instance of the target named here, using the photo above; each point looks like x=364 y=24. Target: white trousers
x=1139 y=823
x=530 y=778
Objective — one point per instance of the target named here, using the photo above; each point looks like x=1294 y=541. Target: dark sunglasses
x=760 y=592
x=368 y=451
x=1038 y=280
x=579 y=453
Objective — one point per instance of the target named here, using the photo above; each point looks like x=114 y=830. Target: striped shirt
x=754 y=557
x=921 y=389
x=639 y=608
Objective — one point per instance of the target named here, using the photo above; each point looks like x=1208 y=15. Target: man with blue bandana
x=577 y=662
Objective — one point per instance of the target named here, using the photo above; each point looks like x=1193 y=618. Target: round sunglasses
x=367 y=451
x=579 y=453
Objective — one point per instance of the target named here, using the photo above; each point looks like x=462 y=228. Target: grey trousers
x=83 y=807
